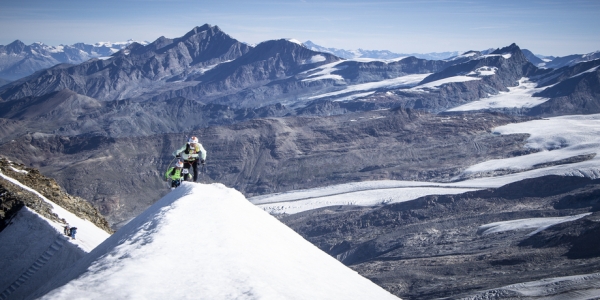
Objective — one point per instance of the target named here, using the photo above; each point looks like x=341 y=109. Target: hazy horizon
x=552 y=27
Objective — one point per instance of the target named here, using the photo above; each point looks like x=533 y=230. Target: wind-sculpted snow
x=208 y=242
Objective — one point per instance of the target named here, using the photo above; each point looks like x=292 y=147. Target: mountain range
x=284 y=116
x=18 y=60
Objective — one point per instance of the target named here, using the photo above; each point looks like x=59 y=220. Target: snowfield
x=208 y=242
x=520 y=96
x=404 y=81
x=436 y=84
x=369 y=193
x=557 y=140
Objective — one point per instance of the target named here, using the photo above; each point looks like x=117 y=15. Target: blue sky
x=547 y=27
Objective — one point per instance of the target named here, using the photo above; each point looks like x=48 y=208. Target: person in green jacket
x=175 y=174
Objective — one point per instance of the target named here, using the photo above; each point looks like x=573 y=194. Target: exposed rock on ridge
x=13 y=197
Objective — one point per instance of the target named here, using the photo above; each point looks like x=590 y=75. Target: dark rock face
x=532 y=58
x=361 y=72
x=13 y=197
x=433 y=247
x=575 y=95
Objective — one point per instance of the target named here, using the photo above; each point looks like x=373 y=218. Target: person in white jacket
x=192 y=153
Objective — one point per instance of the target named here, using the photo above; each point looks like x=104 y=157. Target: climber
x=192 y=153
x=174 y=174
x=72 y=231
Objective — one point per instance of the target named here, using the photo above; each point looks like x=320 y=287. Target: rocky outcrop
x=13 y=197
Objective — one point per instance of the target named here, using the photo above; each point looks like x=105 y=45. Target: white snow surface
x=368 y=193
x=324 y=72
x=295 y=41
x=538 y=224
x=505 y=55
x=520 y=96
x=483 y=71
x=208 y=242
x=438 y=83
x=315 y=59
x=408 y=80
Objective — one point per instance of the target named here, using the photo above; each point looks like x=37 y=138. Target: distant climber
x=192 y=153
x=67 y=230
x=72 y=232
x=175 y=174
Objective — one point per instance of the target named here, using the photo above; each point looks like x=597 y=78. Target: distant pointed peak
x=15 y=47
x=202 y=28
x=16 y=43
x=508 y=49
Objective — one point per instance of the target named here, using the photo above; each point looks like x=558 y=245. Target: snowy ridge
x=209 y=242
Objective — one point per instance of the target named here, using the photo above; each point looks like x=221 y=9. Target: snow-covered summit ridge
x=209 y=242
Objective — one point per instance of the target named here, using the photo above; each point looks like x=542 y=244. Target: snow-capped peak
x=295 y=41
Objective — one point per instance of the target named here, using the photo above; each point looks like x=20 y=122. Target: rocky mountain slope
x=135 y=69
